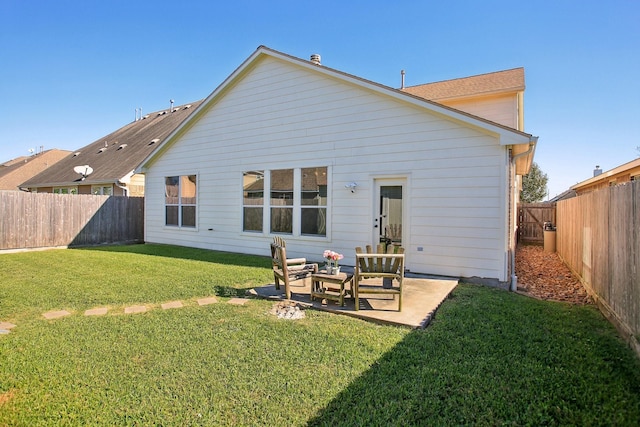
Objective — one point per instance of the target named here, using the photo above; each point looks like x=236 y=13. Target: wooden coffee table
x=331 y=286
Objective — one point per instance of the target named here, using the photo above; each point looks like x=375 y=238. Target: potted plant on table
x=332 y=261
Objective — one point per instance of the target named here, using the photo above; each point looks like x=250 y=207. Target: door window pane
x=391 y=214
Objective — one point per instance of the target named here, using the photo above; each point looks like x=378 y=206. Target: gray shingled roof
x=114 y=156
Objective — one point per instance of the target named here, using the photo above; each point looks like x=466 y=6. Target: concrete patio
x=421 y=297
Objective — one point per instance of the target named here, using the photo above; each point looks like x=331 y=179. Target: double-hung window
x=252 y=200
x=313 y=201
x=296 y=202
x=282 y=201
x=180 y=200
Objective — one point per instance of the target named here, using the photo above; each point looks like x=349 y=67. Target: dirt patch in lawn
x=7 y=396
x=543 y=275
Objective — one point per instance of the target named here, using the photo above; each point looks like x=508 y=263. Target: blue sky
x=74 y=71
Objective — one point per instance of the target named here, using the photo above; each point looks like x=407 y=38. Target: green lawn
x=489 y=358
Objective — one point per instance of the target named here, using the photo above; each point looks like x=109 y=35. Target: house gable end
x=506 y=136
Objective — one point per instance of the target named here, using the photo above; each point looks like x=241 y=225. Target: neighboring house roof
x=625 y=171
x=568 y=194
x=15 y=172
x=507 y=135
x=483 y=84
x=114 y=157
x=14 y=161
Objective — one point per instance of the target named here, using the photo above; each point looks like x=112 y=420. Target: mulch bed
x=543 y=275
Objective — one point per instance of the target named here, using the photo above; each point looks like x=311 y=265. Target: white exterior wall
x=502 y=109
x=282 y=116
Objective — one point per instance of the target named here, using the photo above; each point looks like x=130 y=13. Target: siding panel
x=282 y=116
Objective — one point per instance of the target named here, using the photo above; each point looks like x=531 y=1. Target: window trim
x=257 y=172
x=297 y=204
x=70 y=190
x=102 y=187
x=180 y=205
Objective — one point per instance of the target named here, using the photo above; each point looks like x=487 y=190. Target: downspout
x=125 y=190
x=512 y=249
x=122 y=183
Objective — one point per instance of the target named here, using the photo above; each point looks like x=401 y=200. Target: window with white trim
x=180 y=201
x=65 y=190
x=252 y=200
x=102 y=190
x=281 y=201
x=297 y=202
x=313 y=201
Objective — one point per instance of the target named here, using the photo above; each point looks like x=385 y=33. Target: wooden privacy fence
x=531 y=219
x=598 y=237
x=36 y=220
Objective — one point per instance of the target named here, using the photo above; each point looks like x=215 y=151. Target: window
x=65 y=190
x=313 y=199
x=297 y=202
x=102 y=190
x=252 y=200
x=180 y=201
x=282 y=201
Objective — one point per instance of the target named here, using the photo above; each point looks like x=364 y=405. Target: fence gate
x=531 y=219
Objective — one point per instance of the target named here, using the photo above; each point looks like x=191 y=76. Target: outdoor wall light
x=351 y=186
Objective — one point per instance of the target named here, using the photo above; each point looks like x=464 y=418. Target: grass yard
x=490 y=357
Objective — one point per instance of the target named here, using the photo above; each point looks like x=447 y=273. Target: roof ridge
x=175 y=106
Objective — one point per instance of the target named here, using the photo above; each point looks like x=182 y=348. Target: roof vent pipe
x=171 y=105
x=315 y=58
x=597 y=171
x=402 y=79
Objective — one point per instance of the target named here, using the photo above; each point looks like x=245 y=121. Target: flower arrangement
x=332 y=257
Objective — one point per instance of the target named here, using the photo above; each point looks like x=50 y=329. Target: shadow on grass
x=498 y=360
x=183 y=252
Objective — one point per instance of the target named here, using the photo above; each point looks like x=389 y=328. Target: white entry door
x=389 y=208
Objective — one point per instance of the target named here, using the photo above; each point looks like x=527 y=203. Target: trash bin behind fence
x=549 y=237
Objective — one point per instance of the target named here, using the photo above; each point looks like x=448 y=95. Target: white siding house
x=341 y=158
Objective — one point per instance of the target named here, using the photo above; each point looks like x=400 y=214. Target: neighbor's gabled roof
x=626 y=167
x=506 y=81
x=16 y=171
x=115 y=156
x=507 y=135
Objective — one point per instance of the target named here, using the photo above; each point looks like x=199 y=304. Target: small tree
x=534 y=185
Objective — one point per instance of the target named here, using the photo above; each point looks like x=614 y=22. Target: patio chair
x=288 y=270
x=387 y=266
